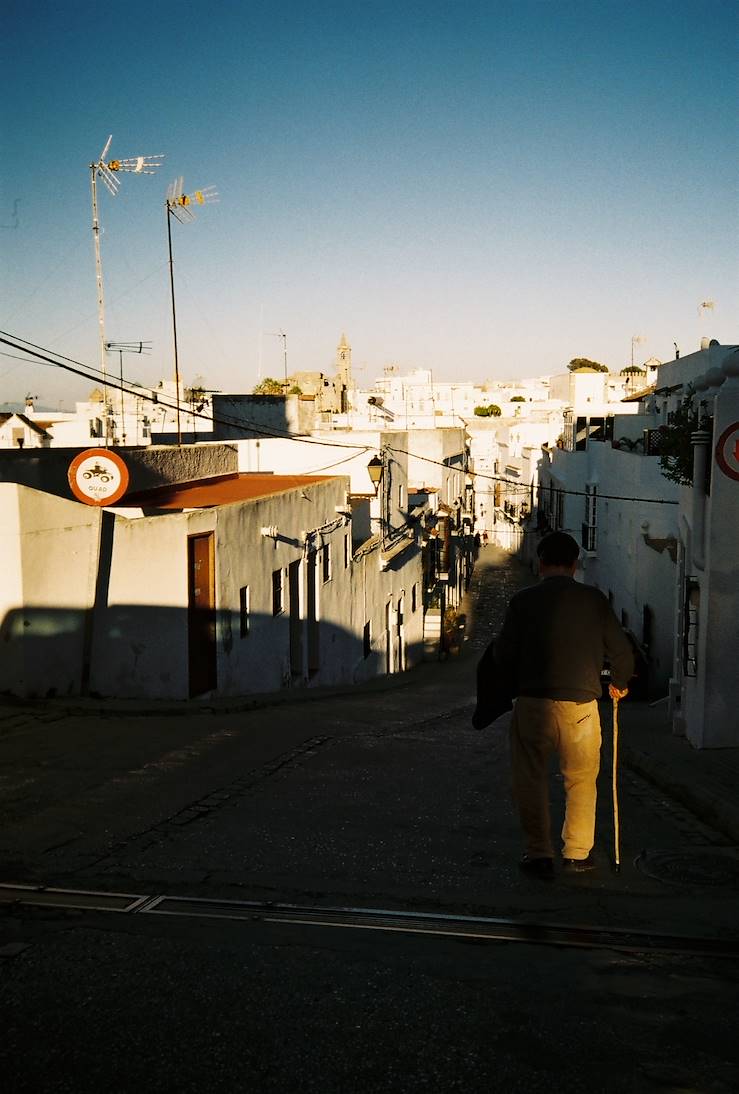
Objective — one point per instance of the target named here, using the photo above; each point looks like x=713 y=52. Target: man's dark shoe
x=578 y=865
x=537 y=867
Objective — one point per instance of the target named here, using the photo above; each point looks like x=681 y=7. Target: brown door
x=296 y=623
x=201 y=614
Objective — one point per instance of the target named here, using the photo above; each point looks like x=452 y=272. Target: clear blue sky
x=483 y=189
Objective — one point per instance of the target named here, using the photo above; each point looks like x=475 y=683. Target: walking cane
x=616 y=834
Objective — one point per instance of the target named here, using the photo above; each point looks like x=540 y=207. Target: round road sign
x=727 y=451
x=98 y=476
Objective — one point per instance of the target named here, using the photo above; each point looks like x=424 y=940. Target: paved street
x=382 y=798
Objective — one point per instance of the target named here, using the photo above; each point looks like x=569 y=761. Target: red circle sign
x=727 y=451
x=98 y=476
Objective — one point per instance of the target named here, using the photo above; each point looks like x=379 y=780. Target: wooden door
x=296 y=623
x=201 y=614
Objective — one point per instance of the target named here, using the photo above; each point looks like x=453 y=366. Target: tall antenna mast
x=179 y=205
x=108 y=171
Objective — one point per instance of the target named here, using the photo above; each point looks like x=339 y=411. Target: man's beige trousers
x=538 y=728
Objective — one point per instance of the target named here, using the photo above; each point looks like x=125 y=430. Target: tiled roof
x=220 y=490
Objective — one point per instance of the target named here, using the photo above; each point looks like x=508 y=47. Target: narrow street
x=350 y=916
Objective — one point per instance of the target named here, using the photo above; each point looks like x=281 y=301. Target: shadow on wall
x=157 y=652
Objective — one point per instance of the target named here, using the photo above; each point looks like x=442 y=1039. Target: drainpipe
x=700 y=441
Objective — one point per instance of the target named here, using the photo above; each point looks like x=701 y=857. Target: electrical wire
x=95 y=375
x=524 y=488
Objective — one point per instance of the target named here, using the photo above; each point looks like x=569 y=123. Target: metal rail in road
x=486 y=928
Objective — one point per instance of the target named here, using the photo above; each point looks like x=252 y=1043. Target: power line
x=90 y=373
x=76 y=367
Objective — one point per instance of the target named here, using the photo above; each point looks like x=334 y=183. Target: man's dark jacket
x=555 y=639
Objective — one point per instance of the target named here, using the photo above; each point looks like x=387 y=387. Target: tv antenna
x=182 y=206
x=704 y=306
x=120 y=348
x=636 y=340
x=108 y=171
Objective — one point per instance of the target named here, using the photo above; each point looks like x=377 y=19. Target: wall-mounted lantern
x=375 y=469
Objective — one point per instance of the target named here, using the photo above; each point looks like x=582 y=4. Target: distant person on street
x=549 y=655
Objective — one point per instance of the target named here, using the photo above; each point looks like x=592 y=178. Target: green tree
x=268 y=386
x=295 y=390
x=675 y=449
x=585 y=362
x=518 y=399
x=490 y=411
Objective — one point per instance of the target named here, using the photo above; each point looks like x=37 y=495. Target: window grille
x=277 y=599
x=690 y=625
x=589 y=535
x=245 y=621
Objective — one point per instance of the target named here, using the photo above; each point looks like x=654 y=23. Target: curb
x=12 y=709
x=712 y=808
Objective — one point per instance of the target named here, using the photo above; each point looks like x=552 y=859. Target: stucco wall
x=708 y=705
x=237 y=416
x=96 y=601
x=50 y=548
x=636 y=542
x=46 y=469
x=141 y=635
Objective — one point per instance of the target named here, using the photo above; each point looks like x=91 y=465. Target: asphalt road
x=384 y=799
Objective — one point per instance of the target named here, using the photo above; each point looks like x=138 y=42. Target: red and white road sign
x=98 y=476
x=727 y=451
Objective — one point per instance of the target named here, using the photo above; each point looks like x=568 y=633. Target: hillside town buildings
x=337 y=527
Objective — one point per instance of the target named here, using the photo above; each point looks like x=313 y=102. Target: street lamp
x=179 y=206
x=376 y=469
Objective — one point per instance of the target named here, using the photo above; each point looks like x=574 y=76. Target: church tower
x=343 y=372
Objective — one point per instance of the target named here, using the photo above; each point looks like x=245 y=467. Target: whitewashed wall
x=48 y=552
x=706 y=709
x=134 y=642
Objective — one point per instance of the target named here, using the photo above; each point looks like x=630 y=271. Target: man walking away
x=555 y=638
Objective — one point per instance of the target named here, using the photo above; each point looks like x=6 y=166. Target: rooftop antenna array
x=120 y=348
x=108 y=171
x=182 y=207
x=636 y=340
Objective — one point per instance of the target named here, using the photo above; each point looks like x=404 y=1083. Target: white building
x=703 y=703
x=20 y=431
x=664 y=554
x=236 y=585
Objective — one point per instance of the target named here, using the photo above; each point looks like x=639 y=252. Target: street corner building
x=231 y=585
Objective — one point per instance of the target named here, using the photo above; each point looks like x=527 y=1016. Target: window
x=367 y=640
x=244 y=610
x=589 y=527
x=326 y=562
x=691 y=613
x=277 y=597
x=401 y=496
x=414 y=595
x=347 y=551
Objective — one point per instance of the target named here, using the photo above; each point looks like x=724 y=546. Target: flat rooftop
x=219 y=490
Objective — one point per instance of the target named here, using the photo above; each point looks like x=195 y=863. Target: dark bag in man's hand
x=494 y=694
